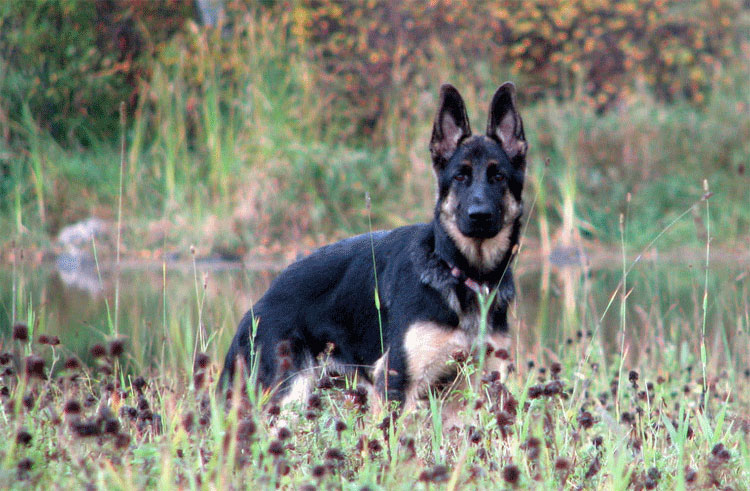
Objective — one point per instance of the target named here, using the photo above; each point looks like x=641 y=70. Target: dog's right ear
x=450 y=127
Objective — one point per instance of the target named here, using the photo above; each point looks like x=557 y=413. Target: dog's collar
x=474 y=285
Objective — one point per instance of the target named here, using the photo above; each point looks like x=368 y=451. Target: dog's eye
x=463 y=174
x=496 y=177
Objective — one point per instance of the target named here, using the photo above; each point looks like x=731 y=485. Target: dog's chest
x=466 y=306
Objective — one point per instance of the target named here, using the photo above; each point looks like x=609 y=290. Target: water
x=558 y=307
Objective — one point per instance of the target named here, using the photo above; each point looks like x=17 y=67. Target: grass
x=640 y=402
x=553 y=423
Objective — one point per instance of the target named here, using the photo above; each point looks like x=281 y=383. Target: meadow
x=631 y=357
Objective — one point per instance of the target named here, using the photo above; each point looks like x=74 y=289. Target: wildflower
x=23 y=437
x=721 y=453
x=339 y=426
x=555 y=369
x=593 y=468
x=325 y=383
x=21 y=332
x=510 y=405
x=490 y=377
x=334 y=454
x=284 y=433
x=72 y=364
x=198 y=379
x=245 y=429
x=276 y=448
x=25 y=464
x=562 y=464
x=188 y=420
x=504 y=418
x=49 y=340
x=139 y=383
x=502 y=353
x=142 y=403
x=28 y=401
x=111 y=426
x=475 y=437
x=633 y=377
x=460 y=356
x=85 y=428
x=438 y=473
x=129 y=411
x=116 y=348
x=535 y=391
x=34 y=366
x=201 y=361
x=585 y=420
x=318 y=471
x=314 y=402
x=597 y=441
x=311 y=415
x=5 y=358
x=553 y=388
x=72 y=407
x=274 y=410
x=511 y=473
x=98 y=350
x=532 y=448
x=654 y=473
x=374 y=446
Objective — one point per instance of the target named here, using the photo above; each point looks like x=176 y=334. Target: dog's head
x=480 y=178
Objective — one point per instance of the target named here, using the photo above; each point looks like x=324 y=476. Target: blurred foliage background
x=259 y=126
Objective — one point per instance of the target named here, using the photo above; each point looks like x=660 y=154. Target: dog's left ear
x=504 y=123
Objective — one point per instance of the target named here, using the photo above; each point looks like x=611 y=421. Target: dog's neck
x=447 y=251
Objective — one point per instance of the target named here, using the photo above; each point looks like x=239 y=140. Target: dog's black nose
x=480 y=212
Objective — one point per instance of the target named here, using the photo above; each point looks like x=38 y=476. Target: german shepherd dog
x=426 y=310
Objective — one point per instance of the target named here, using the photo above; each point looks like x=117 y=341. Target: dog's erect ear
x=504 y=123
x=451 y=125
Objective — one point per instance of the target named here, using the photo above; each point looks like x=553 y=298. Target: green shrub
x=72 y=61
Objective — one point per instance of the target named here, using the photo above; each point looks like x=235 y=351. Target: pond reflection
x=166 y=311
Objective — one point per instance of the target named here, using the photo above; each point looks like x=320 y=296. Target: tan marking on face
x=483 y=254
x=429 y=348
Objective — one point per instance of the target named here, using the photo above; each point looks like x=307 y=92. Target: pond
x=168 y=311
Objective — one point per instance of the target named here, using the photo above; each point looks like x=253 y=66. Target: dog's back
x=326 y=297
